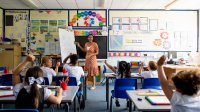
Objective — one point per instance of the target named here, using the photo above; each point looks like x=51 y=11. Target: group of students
x=186 y=95
x=31 y=86
x=184 y=98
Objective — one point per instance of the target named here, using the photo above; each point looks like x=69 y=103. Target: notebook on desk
x=151 y=93
x=157 y=100
x=6 y=93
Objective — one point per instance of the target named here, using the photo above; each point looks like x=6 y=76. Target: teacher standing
x=91 y=49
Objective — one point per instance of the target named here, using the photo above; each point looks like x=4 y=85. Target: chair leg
x=102 y=82
x=111 y=107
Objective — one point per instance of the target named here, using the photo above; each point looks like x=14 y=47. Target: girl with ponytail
x=30 y=94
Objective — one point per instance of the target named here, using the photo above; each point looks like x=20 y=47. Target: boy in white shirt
x=46 y=68
x=72 y=68
x=152 y=73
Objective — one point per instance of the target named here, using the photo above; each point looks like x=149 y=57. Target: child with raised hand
x=123 y=71
x=186 y=97
x=73 y=68
x=152 y=73
x=46 y=67
x=30 y=94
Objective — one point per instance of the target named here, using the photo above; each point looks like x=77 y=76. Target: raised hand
x=161 y=61
x=30 y=58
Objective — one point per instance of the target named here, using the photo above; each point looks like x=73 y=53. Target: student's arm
x=65 y=60
x=110 y=67
x=82 y=49
x=19 y=68
x=57 y=66
x=141 y=68
x=163 y=80
x=56 y=99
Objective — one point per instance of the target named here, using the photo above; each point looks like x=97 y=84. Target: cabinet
x=10 y=55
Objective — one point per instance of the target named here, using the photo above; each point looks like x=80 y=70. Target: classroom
x=99 y=55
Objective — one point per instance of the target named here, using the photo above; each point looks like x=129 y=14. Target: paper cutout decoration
x=164 y=35
x=166 y=45
x=88 y=17
x=157 y=42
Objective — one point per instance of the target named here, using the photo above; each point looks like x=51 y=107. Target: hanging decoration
x=89 y=18
x=87 y=32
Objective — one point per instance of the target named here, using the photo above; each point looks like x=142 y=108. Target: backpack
x=24 y=100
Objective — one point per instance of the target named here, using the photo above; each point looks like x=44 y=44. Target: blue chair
x=19 y=110
x=7 y=80
x=151 y=83
x=120 y=87
x=2 y=68
x=104 y=71
x=46 y=81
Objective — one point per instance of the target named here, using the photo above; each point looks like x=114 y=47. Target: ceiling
x=101 y=4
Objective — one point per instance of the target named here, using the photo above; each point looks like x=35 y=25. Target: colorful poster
x=35 y=28
x=35 y=22
x=43 y=28
x=52 y=29
x=61 y=22
x=52 y=22
x=43 y=22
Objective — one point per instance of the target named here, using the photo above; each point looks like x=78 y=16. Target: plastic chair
x=19 y=110
x=2 y=68
x=120 y=87
x=7 y=80
x=151 y=83
x=46 y=81
x=104 y=71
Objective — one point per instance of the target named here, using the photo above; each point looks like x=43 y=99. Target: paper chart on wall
x=67 y=45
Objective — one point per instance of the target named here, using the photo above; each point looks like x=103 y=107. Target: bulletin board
x=16 y=22
x=134 y=30
x=44 y=30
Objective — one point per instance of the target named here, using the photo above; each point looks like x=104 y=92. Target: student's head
x=152 y=65
x=124 y=69
x=90 y=38
x=187 y=82
x=73 y=59
x=46 y=61
x=32 y=74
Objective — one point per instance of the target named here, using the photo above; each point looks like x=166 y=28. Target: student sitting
x=186 y=97
x=30 y=94
x=46 y=67
x=152 y=73
x=123 y=71
x=72 y=68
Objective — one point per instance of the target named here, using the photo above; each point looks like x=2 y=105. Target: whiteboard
x=67 y=45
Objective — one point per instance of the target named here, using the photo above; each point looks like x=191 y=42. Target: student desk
x=69 y=98
x=170 y=69
x=144 y=105
x=111 y=76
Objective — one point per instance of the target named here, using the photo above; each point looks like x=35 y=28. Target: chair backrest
x=46 y=81
x=151 y=83
x=123 y=84
x=104 y=69
x=7 y=80
x=2 y=68
x=19 y=110
x=57 y=79
x=72 y=81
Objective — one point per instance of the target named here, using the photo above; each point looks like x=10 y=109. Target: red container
x=6 y=71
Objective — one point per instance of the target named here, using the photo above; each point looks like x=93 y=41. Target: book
x=157 y=100
x=6 y=87
x=151 y=93
x=6 y=93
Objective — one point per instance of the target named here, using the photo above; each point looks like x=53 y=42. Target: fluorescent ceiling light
x=30 y=4
x=169 y=5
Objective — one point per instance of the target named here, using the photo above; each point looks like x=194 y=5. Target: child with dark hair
x=152 y=67
x=186 y=97
x=30 y=94
x=73 y=68
x=123 y=71
x=46 y=67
